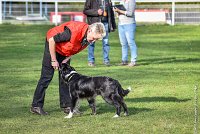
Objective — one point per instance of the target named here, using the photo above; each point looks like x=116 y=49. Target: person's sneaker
x=91 y=64
x=38 y=110
x=131 y=64
x=123 y=63
x=107 y=63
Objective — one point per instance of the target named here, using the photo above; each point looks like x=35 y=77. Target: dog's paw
x=126 y=114
x=69 y=115
x=129 y=88
x=116 y=116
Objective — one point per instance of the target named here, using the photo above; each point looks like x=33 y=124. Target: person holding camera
x=126 y=29
x=100 y=11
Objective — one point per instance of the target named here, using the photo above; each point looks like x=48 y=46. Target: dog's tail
x=123 y=92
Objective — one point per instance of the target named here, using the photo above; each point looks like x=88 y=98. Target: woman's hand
x=119 y=11
x=52 y=51
x=100 y=12
x=55 y=64
x=115 y=9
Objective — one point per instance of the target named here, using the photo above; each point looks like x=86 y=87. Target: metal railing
x=179 y=11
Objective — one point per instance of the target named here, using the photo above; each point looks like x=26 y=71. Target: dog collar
x=70 y=75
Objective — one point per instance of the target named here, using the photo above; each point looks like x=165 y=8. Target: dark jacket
x=91 y=11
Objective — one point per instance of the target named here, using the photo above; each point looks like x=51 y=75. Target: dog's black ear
x=67 y=66
x=72 y=68
x=64 y=64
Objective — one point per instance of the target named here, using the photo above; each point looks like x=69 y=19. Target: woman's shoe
x=131 y=64
x=91 y=64
x=123 y=63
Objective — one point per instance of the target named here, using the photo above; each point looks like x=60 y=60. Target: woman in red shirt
x=61 y=43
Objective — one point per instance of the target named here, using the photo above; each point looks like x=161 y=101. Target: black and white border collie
x=81 y=86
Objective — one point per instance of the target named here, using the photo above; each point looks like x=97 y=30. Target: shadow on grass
x=156 y=99
x=167 y=60
x=105 y=108
x=23 y=111
x=102 y=108
x=133 y=110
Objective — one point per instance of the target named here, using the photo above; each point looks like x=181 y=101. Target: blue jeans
x=127 y=39
x=106 y=48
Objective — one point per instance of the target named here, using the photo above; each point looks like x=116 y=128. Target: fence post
x=4 y=9
x=173 y=13
x=10 y=8
x=0 y=12
x=56 y=12
x=45 y=9
x=40 y=8
x=31 y=7
x=26 y=8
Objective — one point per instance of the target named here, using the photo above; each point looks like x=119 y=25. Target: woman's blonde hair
x=98 y=28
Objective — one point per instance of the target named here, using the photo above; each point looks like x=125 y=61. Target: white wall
x=150 y=16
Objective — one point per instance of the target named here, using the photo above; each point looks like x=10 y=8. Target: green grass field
x=163 y=83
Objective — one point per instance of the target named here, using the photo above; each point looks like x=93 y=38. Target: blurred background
x=58 y=11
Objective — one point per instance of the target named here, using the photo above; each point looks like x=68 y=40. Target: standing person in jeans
x=100 y=11
x=61 y=43
x=127 y=27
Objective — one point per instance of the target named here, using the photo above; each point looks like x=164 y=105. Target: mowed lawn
x=163 y=83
